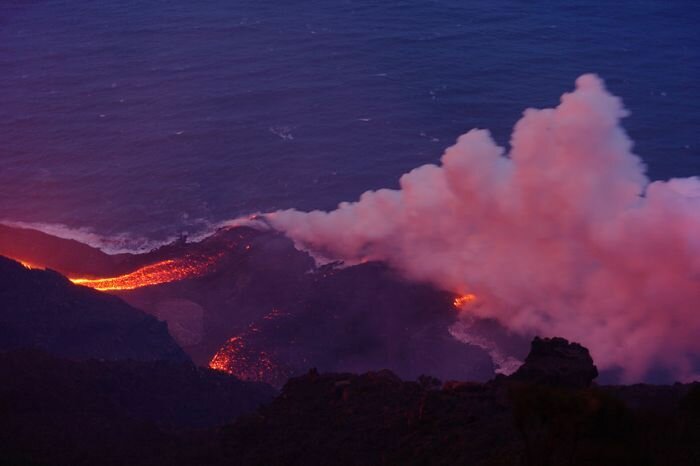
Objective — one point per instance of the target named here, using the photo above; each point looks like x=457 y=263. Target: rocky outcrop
x=558 y=363
x=372 y=419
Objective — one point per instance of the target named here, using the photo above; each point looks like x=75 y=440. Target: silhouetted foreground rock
x=111 y=412
x=546 y=414
x=373 y=419
x=558 y=363
x=44 y=310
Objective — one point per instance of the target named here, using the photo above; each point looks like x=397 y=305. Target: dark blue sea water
x=154 y=117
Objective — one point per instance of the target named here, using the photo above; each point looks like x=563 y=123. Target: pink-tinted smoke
x=563 y=236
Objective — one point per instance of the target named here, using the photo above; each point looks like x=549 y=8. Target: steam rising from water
x=564 y=235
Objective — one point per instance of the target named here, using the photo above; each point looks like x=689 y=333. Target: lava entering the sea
x=165 y=271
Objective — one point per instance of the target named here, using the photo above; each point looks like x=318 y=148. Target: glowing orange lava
x=165 y=271
x=248 y=362
x=461 y=300
x=225 y=358
x=29 y=265
x=154 y=274
x=237 y=359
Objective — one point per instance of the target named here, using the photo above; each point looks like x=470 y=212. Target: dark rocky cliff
x=42 y=309
x=547 y=413
x=558 y=363
x=59 y=412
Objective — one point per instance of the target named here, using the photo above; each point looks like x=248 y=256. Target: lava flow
x=236 y=358
x=29 y=265
x=246 y=361
x=165 y=271
x=461 y=300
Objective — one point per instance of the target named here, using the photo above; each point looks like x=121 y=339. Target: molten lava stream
x=154 y=274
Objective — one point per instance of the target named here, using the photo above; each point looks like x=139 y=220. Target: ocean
x=143 y=120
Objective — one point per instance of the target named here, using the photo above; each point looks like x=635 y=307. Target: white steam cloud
x=562 y=236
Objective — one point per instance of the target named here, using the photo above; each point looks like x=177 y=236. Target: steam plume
x=564 y=235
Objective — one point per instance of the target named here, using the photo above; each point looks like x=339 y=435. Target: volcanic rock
x=42 y=309
x=185 y=320
x=556 y=362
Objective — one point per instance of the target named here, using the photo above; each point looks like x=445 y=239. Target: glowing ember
x=154 y=274
x=464 y=299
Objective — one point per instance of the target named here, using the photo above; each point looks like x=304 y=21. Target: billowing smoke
x=563 y=236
